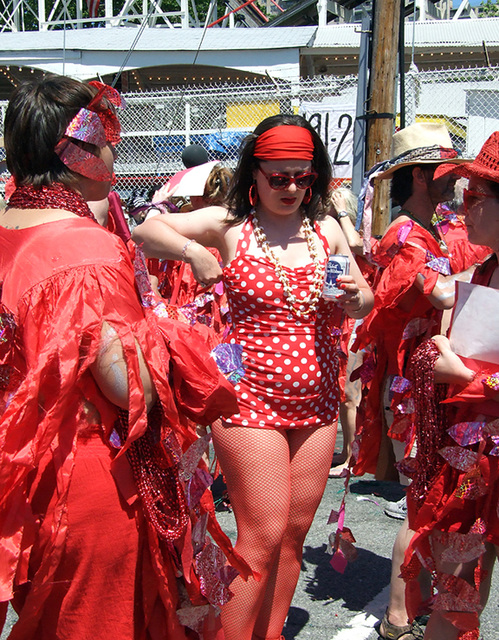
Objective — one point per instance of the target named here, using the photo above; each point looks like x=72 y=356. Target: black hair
x=238 y=197
x=36 y=119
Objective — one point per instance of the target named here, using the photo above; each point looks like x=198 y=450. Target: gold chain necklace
x=307 y=305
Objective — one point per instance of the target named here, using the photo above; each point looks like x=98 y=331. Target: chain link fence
x=157 y=126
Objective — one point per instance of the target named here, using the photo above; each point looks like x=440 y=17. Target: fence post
x=411 y=97
x=187 y=123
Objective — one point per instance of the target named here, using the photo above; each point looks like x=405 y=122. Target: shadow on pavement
x=391 y=491
x=361 y=582
x=296 y=620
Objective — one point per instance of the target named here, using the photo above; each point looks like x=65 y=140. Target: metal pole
x=359 y=131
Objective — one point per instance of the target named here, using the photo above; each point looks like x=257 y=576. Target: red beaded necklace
x=56 y=196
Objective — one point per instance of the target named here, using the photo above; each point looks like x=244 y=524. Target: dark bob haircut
x=238 y=197
x=36 y=119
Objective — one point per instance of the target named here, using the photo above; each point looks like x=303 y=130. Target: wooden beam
x=382 y=101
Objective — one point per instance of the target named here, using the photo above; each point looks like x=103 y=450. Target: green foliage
x=488 y=9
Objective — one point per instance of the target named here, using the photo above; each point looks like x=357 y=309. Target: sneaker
x=397 y=510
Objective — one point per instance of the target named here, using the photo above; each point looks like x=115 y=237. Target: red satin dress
x=78 y=559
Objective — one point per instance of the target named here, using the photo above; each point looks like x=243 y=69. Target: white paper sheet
x=475 y=323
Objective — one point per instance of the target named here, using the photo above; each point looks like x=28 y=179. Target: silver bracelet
x=185 y=247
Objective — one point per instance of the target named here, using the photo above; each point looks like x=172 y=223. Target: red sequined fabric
x=57 y=196
x=430 y=418
x=107 y=114
x=156 y=475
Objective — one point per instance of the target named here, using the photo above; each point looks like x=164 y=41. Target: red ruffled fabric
x=77 y=557
x=461 y=505
x=196 y=305
x=368 y=270
x=401 y=319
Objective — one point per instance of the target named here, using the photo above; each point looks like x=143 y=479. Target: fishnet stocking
x=276 y=480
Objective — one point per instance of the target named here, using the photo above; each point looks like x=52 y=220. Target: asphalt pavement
x=331 y=606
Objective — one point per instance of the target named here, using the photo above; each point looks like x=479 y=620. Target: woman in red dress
x=276 y=452
x=453 y=502
x=99 y=536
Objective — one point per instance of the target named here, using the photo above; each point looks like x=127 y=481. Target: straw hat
x=420 y=143
x=485 y=165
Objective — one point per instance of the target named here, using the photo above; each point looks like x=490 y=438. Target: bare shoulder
x=26 y=218
x=332 y=231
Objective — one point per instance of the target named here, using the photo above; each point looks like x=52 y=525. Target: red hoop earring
x=308 y=196
x=253 y=195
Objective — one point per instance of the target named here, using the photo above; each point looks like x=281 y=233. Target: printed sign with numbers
x=334 y=124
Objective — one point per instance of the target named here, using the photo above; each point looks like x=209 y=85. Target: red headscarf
x=285 y=142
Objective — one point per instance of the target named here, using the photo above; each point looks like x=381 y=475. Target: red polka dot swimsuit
x=291 y=362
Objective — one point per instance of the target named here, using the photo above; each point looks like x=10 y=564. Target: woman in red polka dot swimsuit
x=276 y=452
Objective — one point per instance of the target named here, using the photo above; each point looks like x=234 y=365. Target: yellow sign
x=247 y=116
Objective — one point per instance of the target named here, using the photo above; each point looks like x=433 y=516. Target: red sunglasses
x=470 y=197
x=281 y=181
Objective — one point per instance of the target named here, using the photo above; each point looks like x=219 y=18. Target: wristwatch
x=341 y=214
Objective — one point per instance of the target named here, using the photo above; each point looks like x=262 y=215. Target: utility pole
x=380 y=116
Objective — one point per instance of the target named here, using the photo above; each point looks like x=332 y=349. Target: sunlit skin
x=281 y=202
x=482 y=215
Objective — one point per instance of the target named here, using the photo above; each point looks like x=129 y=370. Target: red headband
x=98 y=124
x=285 y=142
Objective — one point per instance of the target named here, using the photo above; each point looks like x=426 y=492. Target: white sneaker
x=397 y=510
